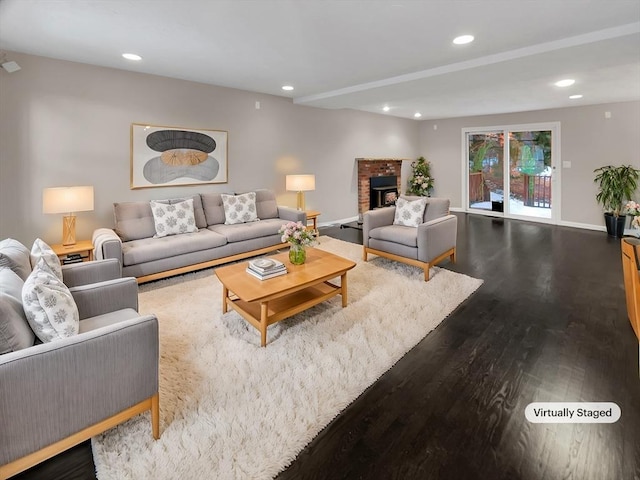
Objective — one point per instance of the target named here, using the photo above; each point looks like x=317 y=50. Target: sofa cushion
x=213 y=208
x=15 y=332
x=436 y=207
x=48 y=305
x=133 y=220
x=239 y=208
x=266 y=205
x=16 y=256
x=198 y=211
x=150 y=249
x=173 y=218
x=409 y=212
x=248 y=231
x=397 y=234
x=41 y=251
x=107 y=319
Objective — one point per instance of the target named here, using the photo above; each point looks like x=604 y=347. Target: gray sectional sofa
x=147 y=258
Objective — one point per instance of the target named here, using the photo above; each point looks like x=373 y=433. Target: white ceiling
x=362 y=54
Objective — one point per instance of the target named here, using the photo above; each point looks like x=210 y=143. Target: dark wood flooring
x=548 y=324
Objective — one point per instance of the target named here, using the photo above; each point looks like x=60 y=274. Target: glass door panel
x=486 y=170
x=530 y=172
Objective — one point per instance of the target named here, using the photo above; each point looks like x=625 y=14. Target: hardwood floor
x=548 y=324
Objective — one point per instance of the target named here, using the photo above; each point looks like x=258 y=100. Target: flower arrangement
x=633 y=208
x=297 y=234
x=421 y=181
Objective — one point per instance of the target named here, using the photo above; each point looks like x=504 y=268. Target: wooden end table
x=312 y=216
x=83 y=247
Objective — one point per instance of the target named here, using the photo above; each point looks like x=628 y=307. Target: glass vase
x=297 y=254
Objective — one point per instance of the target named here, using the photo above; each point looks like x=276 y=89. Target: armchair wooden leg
x=426 y=272
x=453 y=256
x=155 y=416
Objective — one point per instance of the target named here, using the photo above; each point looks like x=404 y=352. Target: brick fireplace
x=375 y=167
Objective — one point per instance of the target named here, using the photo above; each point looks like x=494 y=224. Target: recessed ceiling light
x=573 y=97
x=386 y=108
x=567 y=82
x=462 y=39
x=132 y=56
x=287 y=88
x=417 y=114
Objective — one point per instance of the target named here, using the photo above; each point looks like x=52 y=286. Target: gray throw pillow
x=15 y=333
x=15 y=256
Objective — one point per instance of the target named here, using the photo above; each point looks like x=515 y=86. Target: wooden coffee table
x=264 y=302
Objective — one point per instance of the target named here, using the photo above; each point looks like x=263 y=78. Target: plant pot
x=615 y=225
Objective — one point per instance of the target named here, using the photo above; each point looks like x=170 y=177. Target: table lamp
x=301 y=184
x=67 y=200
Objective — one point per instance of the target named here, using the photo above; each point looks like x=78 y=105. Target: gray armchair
x=423 y=246
x=58 y=394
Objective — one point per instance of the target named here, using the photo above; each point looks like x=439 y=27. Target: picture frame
x=163 y=156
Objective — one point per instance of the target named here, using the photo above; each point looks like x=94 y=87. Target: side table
x=84 y=248
x=312 y=216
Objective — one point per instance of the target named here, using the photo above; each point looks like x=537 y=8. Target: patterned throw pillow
x=48 y=305
x=239 y=208
x=409 y=213
x=173 y=219
x=40 y=250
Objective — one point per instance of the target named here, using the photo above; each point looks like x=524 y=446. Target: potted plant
x=615 y=185
x=421 y=181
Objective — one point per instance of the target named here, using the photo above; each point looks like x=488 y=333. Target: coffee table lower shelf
x=261 y=314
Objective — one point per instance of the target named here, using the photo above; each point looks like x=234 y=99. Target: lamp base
x=69 y=230
x=301 y=201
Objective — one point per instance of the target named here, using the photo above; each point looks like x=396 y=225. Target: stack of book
x=264 y=268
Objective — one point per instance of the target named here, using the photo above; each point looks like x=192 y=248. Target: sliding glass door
x=510 y=170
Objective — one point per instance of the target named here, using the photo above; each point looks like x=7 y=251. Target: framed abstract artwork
x=174 y=156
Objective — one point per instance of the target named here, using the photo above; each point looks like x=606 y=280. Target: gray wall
x=64 y=123
x=588 y=141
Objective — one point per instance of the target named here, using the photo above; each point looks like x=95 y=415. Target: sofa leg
x=155 y=416
x=364 y=253
x=453 y=256
x=426 y=272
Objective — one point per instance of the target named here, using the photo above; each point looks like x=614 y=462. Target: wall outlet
x=257 y=105
x=607 y=114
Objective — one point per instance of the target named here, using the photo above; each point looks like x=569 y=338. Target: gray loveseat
x=57 y=394
x=141 y=255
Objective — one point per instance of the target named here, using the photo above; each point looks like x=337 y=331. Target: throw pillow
x=15 y=333
x=49 y=305
x=40 y=250
x=173 y=219
x=239 y=208
x=15 y=256
x=409 y=213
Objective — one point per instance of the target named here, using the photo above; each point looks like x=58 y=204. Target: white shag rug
x=230 y=409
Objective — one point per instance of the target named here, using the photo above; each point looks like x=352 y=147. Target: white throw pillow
x=49 y=306
x=173 y=219
x=239 y=208
x=40 y=250
x=409 y=213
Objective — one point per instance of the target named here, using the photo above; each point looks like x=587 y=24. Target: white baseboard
x=338 y=222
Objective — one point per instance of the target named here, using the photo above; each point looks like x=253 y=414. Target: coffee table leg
x=263 y=323
x=225 y=294
x=343 y=288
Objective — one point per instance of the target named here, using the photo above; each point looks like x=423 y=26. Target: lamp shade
x=67 y=199
x=301 y=183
